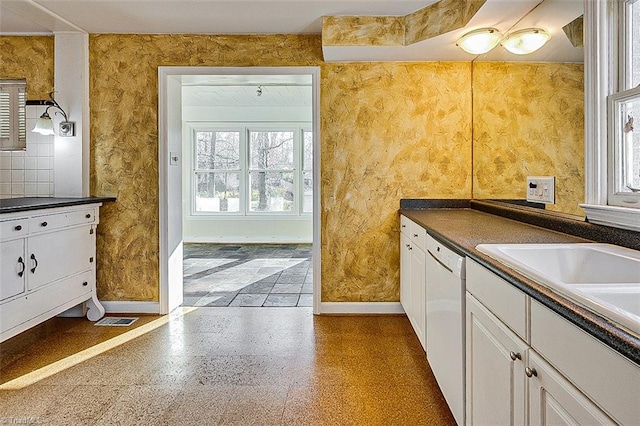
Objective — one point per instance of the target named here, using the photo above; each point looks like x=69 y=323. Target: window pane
x=217 y=150
x=307 y=192
x=307 y=160
x=634 y=63
x=629 y=146
x=271 y=150
x=271 y=192
x=217 y=192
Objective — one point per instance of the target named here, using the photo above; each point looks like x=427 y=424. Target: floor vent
x=116 y=321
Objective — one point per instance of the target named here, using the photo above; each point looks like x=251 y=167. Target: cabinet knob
x=404 y=226
x=415 y=235
x=91 y=259
x=85 y=283
x=18 y=228
x=530 y=372
x=514 y=355
x=410 y=248
x=88 y=216
x=44 y=224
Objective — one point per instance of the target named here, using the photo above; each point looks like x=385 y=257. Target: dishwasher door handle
x=440 y=262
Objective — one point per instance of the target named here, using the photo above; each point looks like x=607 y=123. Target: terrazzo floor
x=269 y=275
x=221 y=366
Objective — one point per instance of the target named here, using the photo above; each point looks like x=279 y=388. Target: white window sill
x=618 y=217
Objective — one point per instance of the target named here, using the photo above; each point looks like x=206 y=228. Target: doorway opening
x=239 y=186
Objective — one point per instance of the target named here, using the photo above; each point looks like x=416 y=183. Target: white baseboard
x=361 y=308
x=245 y=240
x=118 y=307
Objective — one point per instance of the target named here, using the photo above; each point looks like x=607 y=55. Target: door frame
x=170 y=142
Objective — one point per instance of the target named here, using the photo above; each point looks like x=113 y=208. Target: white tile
x=44 y=150
x=5 y=176
x=5 y=154
x=30 y=163
x=18 y=154
x=17 y=189
x=30 y=175
x=17 y=163
x=43 y=163
x=43 y=189
x=44 y=176
x=30 y=189
x=32 y=149
x=5 y=163
x=17 y=176
x=5 y=188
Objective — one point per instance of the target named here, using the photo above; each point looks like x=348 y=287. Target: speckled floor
x=214 y=366
x=248 y=275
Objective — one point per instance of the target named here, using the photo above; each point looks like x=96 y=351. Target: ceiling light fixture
x=479 y=41
x=528 y=40
x=44 y=124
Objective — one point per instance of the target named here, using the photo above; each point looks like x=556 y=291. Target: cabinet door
x=418 y=298
x=12 y=268
x=555 y=401
x=59 y=254
x=495 y=370
x=405 y=272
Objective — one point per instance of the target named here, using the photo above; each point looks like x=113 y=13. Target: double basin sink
x=601 y=277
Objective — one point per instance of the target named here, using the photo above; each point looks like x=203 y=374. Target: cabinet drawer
x=501 y=298
x=605 y=376
x=61 y=220
x=418 y=236
x=14 y=228
x=42 y=304
x=405 y=225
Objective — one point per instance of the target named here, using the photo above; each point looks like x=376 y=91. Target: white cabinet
x=527 y=365
x=413 y=240
x=495 y=361
x=47 y=265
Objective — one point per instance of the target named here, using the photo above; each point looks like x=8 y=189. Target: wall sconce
x=44 y=124
x=479 y=41
x=523 y=42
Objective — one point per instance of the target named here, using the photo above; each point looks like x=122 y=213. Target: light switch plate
x=541 y=189
x=173 y=158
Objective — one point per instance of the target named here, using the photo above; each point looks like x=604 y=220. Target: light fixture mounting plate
x=67 y=129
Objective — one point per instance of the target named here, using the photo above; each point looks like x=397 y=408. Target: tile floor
x=248 y=275
x=219 y=366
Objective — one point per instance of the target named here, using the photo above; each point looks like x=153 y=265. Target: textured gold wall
x=528 y=120
x=389 y=131
x=29 y=57
x=124 y=138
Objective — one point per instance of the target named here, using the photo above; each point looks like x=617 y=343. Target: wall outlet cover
x=541 y=189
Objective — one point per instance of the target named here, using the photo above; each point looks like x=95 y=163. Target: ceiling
x=293 y=17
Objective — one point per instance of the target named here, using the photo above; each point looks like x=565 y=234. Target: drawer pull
x=415 y=235
x=514 y=355
x=91 y=260
x=18 y=228
x=43 y=224
x=21 y=262
x=404 y=226
x=88 y=216
x=530 y=372
x=85 y=283
x=33 y=257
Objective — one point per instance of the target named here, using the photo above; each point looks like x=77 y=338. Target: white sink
x=602 y=277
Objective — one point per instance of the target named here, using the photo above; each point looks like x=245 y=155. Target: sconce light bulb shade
x=479 y=41
x=523 y=42
x=44 y=125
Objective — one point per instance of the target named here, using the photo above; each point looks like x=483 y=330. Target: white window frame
x=244 y=128
x=603 y=77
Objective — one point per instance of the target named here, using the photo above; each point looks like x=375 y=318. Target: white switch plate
x=541 y=189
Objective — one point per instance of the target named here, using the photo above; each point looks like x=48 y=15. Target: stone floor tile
x=282 y=300
x=248 y=299
x=286 y=288
x=305 y=300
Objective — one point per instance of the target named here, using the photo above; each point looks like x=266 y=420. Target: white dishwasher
x=445 y=330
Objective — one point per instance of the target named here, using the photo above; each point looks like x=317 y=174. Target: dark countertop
x=463 y=228
x=12 y=205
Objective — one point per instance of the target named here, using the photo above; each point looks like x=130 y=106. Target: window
x=612 y=113
x=256 y=169
x=624 y=113
x=13 y=115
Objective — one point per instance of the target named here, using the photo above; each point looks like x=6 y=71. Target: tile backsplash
x=28 y=173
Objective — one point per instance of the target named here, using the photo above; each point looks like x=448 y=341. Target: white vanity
x=47 y=260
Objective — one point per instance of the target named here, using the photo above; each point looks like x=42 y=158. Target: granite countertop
x=13 y=205
x=462 y=228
